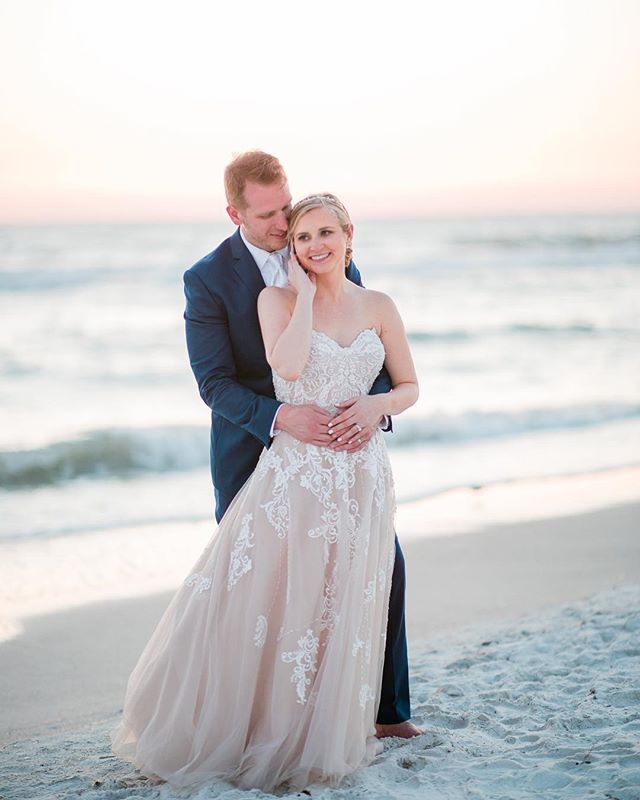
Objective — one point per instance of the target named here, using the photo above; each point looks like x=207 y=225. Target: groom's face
x=265 y=216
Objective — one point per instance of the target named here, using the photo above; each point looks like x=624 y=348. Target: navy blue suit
x=228 y=360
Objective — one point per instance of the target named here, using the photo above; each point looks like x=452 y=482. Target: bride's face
x=320 y=242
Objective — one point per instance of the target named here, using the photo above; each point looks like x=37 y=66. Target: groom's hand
x=354 y=426
x=306 y=423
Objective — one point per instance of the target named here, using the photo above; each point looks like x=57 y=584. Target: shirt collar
x=260 y=256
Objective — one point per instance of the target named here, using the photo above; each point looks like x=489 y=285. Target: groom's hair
x=254 y=166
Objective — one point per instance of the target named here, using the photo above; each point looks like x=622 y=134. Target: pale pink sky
x=130 y=110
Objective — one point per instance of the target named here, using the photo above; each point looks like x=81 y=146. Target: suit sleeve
x=383 y=382
x=212 y=362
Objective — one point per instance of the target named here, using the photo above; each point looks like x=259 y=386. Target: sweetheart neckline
x=355 y=339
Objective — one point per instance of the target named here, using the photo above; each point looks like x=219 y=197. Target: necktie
x=277 y=273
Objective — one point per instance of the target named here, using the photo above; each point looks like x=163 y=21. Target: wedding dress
x=266 y=667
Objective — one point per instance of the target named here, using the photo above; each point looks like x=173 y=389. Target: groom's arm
x=383 y=382
x=213 y=364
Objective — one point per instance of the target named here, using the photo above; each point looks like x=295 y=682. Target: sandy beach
x=523 y=638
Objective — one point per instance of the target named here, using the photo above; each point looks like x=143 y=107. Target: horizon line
x=375 y=216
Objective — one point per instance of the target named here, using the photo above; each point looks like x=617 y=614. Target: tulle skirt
x=266 y=667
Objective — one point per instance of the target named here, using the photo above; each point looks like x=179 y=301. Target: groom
x=228 y=360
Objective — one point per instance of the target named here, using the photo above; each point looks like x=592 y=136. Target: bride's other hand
x=355 y=425
x=303 y=282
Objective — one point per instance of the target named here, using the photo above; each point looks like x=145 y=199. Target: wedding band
x=359 y=428
x=359 y=441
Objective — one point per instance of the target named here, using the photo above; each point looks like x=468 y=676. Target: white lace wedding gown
x=266 y=667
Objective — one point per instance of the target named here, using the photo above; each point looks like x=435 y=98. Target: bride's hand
x=351 y=429
x=303 y=282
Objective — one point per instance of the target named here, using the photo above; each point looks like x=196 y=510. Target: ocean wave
x=523 y=328
x=442 y=428
x=107 y=453
x=123 y=453
x=45 y=280
x=551 y=241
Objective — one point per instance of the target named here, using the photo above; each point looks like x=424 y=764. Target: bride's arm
x=398 y=360
x=285 y=322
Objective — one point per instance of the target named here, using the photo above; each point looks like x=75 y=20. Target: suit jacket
x=228 y=359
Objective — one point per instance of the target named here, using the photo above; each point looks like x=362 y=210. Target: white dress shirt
x=272 y=266
x=274 y=273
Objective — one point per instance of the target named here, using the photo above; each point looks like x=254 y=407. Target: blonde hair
x=321 y=200
x=254 y=166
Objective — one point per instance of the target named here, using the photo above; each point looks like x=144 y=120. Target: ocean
x=525 y=332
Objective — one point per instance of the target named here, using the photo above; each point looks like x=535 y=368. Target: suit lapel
x=245 y=266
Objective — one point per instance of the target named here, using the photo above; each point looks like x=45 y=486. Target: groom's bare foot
x=405 y=730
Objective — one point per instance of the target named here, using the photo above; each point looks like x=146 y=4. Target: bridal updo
x=330 y=202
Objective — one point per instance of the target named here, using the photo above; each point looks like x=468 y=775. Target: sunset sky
x=116 y=110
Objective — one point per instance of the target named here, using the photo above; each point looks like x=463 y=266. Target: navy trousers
x=394 y=698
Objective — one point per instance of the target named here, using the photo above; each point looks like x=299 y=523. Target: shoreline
x=43 y=576
x=466 y=508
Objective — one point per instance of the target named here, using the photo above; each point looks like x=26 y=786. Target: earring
x=347 y=255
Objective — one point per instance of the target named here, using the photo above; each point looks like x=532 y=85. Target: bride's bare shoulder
x=379 y=302
x=276 y=297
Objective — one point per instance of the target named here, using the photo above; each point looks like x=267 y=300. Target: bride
x=266 y=667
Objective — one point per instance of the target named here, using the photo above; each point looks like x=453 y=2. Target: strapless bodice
x=334 y=373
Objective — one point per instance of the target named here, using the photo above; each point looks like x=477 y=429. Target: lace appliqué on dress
x=201 y=583
x=260 y=636
x=366 y=695
x=277 y=509
x=329 y=615
x=239 y=562
x=305 y=661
